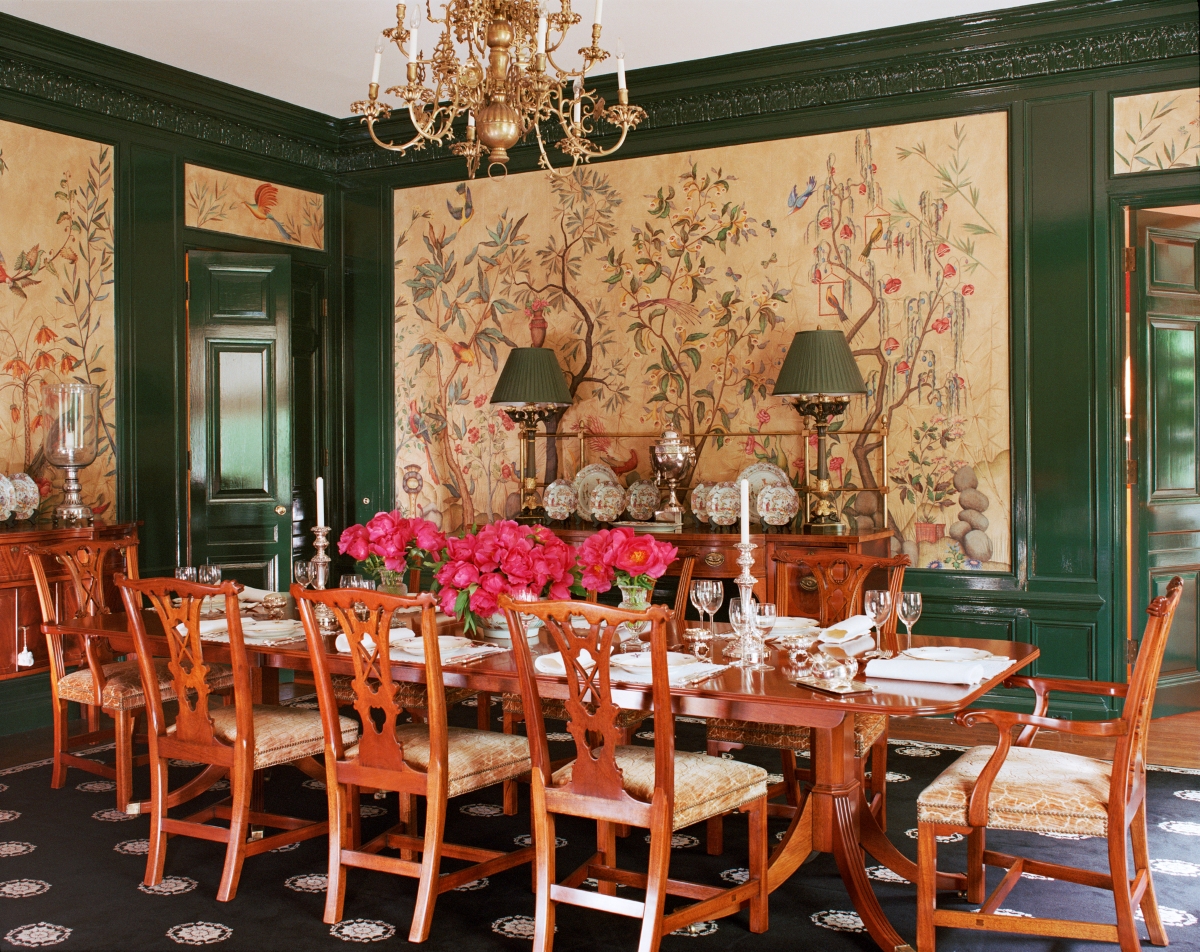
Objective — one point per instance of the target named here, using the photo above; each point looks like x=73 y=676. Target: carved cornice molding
x=940 y=71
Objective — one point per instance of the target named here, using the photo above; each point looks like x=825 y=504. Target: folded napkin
x=679 y=675
x=855 y=646
x=853 y=627
x=937 y=672
x=792 y=622
x=216 y=631
x=553 y=663
x=450 y=647
x=395 y=635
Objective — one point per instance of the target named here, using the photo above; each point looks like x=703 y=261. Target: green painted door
x=1167 y=315
x=239 y=392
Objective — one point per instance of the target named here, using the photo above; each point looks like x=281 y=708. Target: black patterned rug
x=71 y=869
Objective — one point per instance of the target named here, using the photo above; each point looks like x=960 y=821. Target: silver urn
x=672 y=458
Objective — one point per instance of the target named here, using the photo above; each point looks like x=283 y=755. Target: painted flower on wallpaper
x=56 y=309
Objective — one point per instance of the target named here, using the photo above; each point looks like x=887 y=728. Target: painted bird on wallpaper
x=682 y=308
x=266 y=197
x=795 y=200
x=464 y=213
x=875 y=233
x=833 y=302
x=599 y=443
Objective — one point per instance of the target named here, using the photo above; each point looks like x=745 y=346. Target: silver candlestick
x=326 y=620
x=745 y=583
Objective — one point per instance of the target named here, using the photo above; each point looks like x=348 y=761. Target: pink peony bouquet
x=393 y=543
x=617 y=556
x=502 y=558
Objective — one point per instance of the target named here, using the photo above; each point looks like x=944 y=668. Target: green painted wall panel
x=1067 y=650
x=1173 y=428
x=1061 y=374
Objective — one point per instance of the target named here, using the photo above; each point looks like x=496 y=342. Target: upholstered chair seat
x=556 y=709
x=281 y=734
x=123 y=685
x=704 y=786
x=411 y=695
x=868 y=728
x=476 y=759
x=1036 y=791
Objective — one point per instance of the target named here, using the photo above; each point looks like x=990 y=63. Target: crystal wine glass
x=909 y=611
x=878 y=604
x=714 y=597
x=302 y=572
x=697 y=596
x=186 y=573
x=745 y=623
x=766 y=617
x=208 y=575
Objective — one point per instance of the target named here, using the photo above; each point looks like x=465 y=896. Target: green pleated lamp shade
x=531 y=375
x=819 y=362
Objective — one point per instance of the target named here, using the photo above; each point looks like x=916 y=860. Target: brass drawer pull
x=714 y=559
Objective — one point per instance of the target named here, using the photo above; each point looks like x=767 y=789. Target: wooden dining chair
x=421 y=759
x=98 y=682
x=233 y=741
x=840 y=578
x=657 y=788
x=627 y=721
x=1015 y=786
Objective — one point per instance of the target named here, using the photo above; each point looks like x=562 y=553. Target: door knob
x=280 y=510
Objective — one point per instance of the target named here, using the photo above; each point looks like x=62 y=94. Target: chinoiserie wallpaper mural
x=670 y=288
x=1156 y=131
x=252 y=208
x=56 y=300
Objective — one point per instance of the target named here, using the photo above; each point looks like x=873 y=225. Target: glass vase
x=634 y=598
x=391 y=581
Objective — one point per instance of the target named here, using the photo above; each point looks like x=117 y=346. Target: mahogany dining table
x=835 y=818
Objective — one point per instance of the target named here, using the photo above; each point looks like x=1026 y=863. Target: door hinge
x=324 y=307
x=1131 y=472
x=1131 y=651
x=1130 y=259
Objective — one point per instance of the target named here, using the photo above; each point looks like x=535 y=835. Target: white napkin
x=936 y=672
x=249 y=594
x=853 y=627
x=793 y=622
x=208 y=626
x=854 y=646
x=553 y=663
x=678 y=675
x=395 y=635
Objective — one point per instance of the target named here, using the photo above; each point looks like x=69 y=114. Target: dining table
x=835 y=818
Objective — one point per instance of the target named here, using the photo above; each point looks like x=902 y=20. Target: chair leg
x=124 y=756
x=509 y=786
x=335 y=890
x=354 y=812
x=926 y=886
x=976 y=871
x=239 y=830
x=656 y=882
x=1141 y=861
x=408 y=816
x=606 y=846
x=483 y=711
x=758 y=865
x=431 y=865
x=156 y=855
x=61 y=739
x=1127 y=934
x=714 y=827
x=542 y=823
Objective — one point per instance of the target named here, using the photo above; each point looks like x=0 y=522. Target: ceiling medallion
x=508 y=85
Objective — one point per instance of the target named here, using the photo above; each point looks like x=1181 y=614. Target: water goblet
x=350 y=581
x=697 y=596
x=302 y=572
x=878 y=604
x=713 y=599
x=186 y=573
x=766 y=618
x=909 y=611
x=208 y=575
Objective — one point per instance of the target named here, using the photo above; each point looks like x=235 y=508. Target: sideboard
x=789 y=586
x=18 y=596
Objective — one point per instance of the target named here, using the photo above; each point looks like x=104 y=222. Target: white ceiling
x=317 y=53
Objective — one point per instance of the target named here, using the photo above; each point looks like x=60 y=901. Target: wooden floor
x=1174 y=741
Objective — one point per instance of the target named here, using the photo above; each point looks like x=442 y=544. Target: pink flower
x=430 y=537
x=45 y=487
x=903 y=367
x=355 y=540
x=941 y=325
x=943 y=249
x=890 y=345
x=891 y=286
x=836 y=463
x=645 y=555
x=968 y=289
x=764 y=417
x=949 y=271
x=480 y=400
x=847 y=231
x=862 y=190
x=473 y=434
x=812 y=439
x=506 y=472
x=506 y=421
x=816 y=276
x=826 y=223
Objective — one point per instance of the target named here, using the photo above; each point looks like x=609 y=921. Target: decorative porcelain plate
x=588 y=479
x=947 y=653
x=724 y=504
x=633 y=660
x=606 y=502
x=643 y=501
x=760 y=476
x=559 y=500
x=26 y=497
x=700 y=501
x=416 y=646
x=8 y=498
x=777 y=505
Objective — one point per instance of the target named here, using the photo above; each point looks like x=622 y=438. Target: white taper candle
x=599 y=11
x=541 y=32
x=745 y=511
x=378 y=61
x=320 y=501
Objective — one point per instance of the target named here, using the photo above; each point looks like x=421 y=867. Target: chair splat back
x=87 y=561
x=587 y=653
x=188 y=670
x=841 y=578
x=365 y=618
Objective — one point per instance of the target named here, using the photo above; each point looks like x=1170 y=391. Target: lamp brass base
x=826 y=528
x=532 y=517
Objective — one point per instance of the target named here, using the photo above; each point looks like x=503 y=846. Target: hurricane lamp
x=72 y=440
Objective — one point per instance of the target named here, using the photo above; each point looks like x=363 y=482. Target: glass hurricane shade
x=819 y=362
x=531 y=375
x=72 y=435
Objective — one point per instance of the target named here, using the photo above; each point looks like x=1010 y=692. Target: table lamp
x=71 y=442
x=818 y=377
x=531 y=388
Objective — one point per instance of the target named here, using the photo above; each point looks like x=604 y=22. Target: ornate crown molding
x=936 y=71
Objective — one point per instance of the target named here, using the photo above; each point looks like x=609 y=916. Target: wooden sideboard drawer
x=715 y=560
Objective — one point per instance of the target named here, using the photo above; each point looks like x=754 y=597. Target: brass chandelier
x=520 y=87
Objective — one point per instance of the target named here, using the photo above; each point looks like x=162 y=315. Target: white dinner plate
x=553 y=663
x=416 y=646
x=947 y=653
x=634 y=660
x=269 y=627
x=793 y=622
